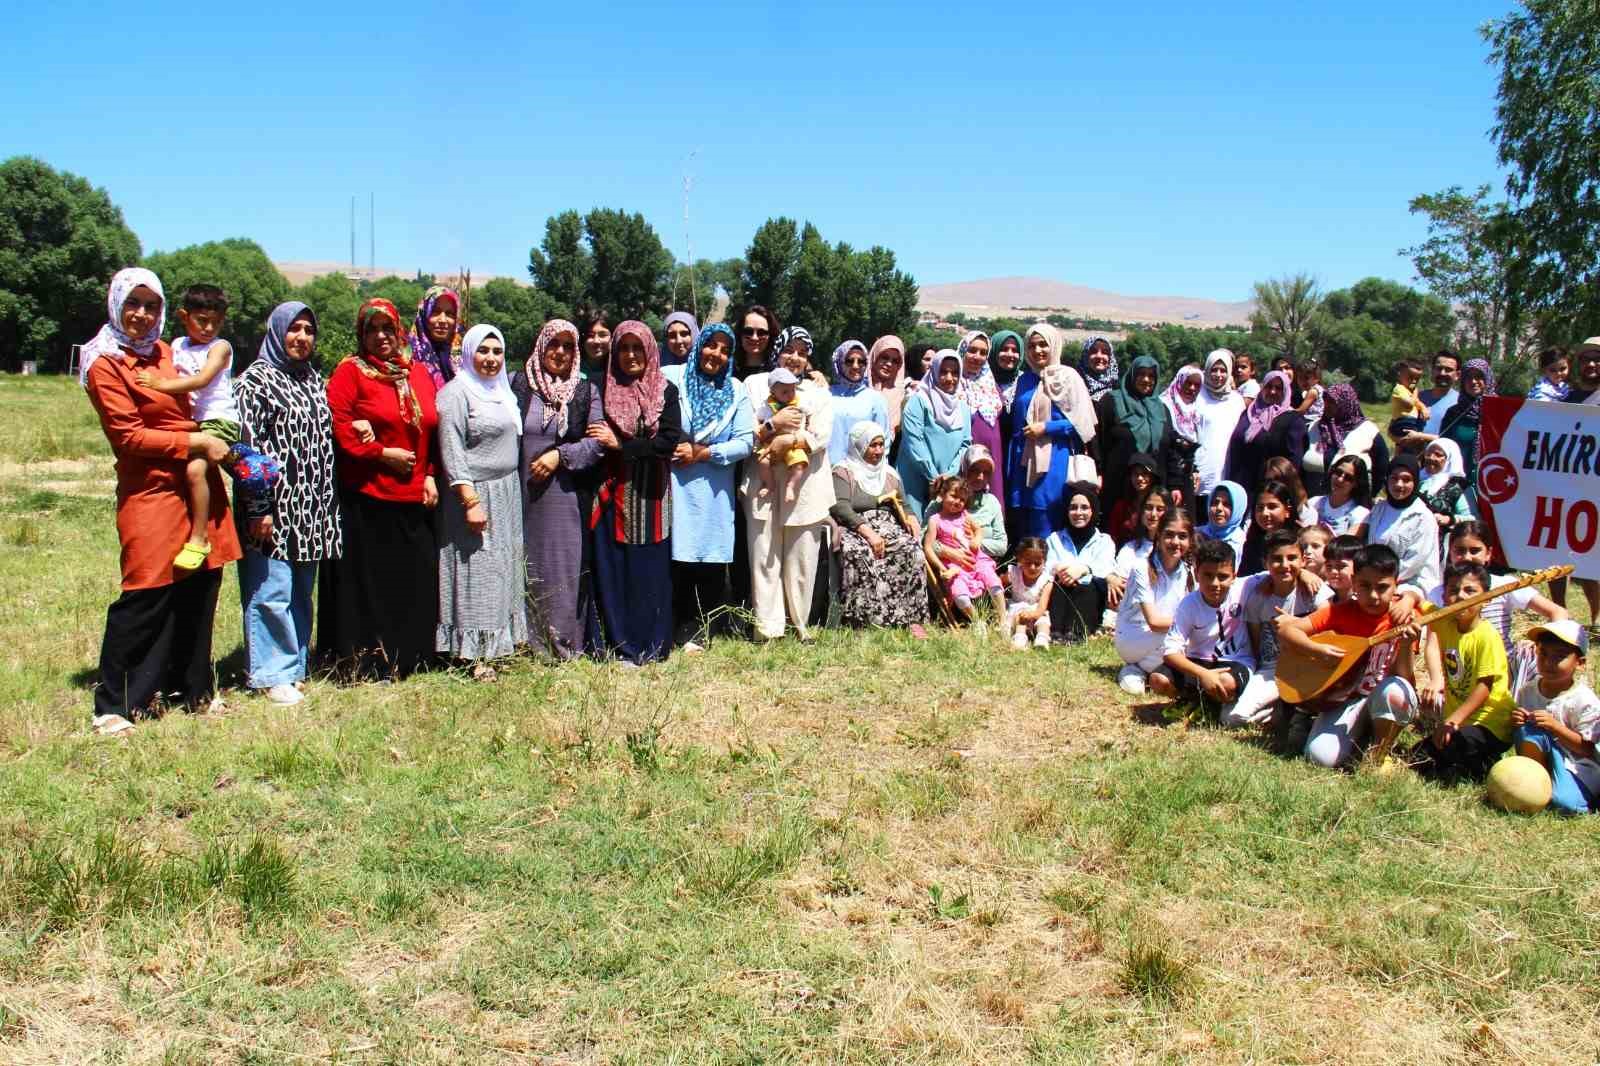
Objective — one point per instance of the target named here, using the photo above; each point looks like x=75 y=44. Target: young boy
x=1339 y=565
x=1206 y=653
x=1375 y=695
x=1467 y=671
x=1314 y=541
x=1407 y=412
x=1557 y=719
x=205 y=366
x=788 y=448
x=1283 y=591
x=1554 y=366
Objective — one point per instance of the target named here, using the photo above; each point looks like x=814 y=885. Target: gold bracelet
x=470 y=501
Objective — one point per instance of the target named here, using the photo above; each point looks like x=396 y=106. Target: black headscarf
x=1080 y=537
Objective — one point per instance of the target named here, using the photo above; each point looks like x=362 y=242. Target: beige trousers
x=783 y=572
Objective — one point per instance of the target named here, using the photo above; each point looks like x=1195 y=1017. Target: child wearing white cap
x=782 y=385
x=1557 y=720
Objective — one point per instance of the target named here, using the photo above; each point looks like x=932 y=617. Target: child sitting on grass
x=953 y=527
x=1206 y=654
x=1028 y=584
x=1467 y=673
x=1376 y=695
x=1557 y=718
x=1154 y=591
x=1285 y=590
x=788 y=448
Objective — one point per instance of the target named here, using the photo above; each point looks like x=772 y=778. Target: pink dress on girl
x=981 y=577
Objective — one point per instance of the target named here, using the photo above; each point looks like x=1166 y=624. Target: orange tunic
x=149 y=434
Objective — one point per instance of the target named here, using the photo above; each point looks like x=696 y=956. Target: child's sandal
x=192 y=557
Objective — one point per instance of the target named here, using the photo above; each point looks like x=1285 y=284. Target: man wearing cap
x=1585 y=384
x=1557 y=720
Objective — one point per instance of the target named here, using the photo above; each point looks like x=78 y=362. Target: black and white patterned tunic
x=286 y=415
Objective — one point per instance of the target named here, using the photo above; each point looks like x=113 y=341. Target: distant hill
x=299 y=273
x=1001 y=296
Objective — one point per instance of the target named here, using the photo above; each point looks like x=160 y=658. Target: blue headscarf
x=272 y=345
x=709 y=398
x=1241 y=510
x=843 y=386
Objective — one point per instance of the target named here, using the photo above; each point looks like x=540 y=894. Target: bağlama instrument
x=1302 y=676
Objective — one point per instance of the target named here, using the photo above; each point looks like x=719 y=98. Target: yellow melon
x=1519 y=784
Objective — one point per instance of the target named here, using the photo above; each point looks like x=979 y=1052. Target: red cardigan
x=353 y=395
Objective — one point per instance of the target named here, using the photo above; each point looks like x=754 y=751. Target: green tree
x=890 y=296
x=1547 y=130
x=562 y=266
x=334 y=299
x=632 y=268
x=1283 y=314
x=1473 y=258
x=694 y=289
x=61 y=239
x=518 y=310
x=253 y=285
x=404 y=293
x=767 y=277
x=1363 y=330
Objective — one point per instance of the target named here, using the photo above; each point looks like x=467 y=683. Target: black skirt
x=378 y=606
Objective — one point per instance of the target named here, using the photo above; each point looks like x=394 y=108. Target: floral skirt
x=891 y=591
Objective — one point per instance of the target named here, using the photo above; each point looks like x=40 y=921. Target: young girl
x=1314 y=542
x=1151 y=506
x=1080 y=560
x=1280 y=469
x=1028 y=586
x=1229 y=508
x=1123 y=522
x=1553 y=369
x=1403 y=522
x=1469 y=543
x=1275 y=509
x=1349 y=500
x=1154 y=592
x=1444 y=484
x=952 y=527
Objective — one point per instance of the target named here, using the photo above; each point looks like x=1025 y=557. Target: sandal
x=192 y=557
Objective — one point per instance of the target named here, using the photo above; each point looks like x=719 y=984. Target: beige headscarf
x=1061 y=388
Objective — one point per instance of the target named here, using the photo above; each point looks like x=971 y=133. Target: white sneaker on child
x=1130 y=679
x=1041 y=639
x=1019 y=639
x=285 y=695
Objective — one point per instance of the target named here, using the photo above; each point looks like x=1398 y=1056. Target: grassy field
x=874 y=850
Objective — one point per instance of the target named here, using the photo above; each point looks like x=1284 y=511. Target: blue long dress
x=1040 y=508
x=927 y=449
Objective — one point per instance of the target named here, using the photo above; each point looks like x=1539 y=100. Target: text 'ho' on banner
x=1539 y=482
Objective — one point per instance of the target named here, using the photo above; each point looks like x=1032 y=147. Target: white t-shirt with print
x=1578 y=709
x=1202 y=631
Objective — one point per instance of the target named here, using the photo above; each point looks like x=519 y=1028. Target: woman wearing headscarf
x=1055 y=423
x=1444 y=485
x=559 y=461
x=936 y=426
x=1133 y=421
x=283 y=409
x=886 y=371
x=981 y=393
x=157 y=643
x=1097 y=365
x=1217 y=413
x=435 y=336
x=678 y=333
x=482 y=611
x=854 y=398
x=785 y=542
x=1403 y=521
x=1227 y=517
x=378 y=612
x=632 y=517
x=715 y=410
x=1346 y=430
x=796 y=340
x=1080 y=556
x=1182 y=399
x=1461 y=422
x=1269 y=427
x=881 y=580
x=1005 y=362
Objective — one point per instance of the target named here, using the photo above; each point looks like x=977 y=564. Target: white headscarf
x=947 y=407
x=1225 y=357
x=111 y=338
x=1453 y=465
x=495 y=390
x=869 y=478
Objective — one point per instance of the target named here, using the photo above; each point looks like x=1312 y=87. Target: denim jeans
x=276 y=597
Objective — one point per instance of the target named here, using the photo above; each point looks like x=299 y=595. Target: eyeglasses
x=855 y=360
x=1342 y=475
x=751 y=331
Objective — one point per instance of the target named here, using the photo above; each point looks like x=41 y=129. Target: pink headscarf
x=1185 y=416
x=555 y=392
x=1262 y=415
x=893 y=395
x=631 y=401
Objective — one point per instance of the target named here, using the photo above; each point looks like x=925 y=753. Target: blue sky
x=1171 y=148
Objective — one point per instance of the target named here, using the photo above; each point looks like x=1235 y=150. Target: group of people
x=610 y=494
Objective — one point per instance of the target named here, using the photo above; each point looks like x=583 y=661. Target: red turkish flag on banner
x=1538 y=482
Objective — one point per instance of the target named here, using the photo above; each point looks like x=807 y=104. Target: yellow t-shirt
x=1469 y=656
x=1403 y=403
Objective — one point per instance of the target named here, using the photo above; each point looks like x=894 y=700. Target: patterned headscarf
x=709 y=398
x=979 y=390
x=684 y=317
x=787 y=336
x=630 y=401
x=948 y=410
x=441 y=360
x=1144 y=416
x=397 y=369
x=1101 y=382
x=273 y=348
x=1185 y=415
x=496 y=391
x=843 y=386
x=555 y=392
x=1341 y=413
x=1002 y=376
x=1263 y=414
x=112 y=338
x=1473 y=407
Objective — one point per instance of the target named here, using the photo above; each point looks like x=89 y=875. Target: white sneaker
x=1019 y=639
x=285 y=695
x=1131 y=680
x=1041 y=639
x=109 y=725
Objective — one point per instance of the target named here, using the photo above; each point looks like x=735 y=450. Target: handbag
x=1081 y=467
